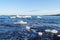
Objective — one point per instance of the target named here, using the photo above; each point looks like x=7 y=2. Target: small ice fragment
x=58 y=35
x=54 y=31
x=40 y=33
x=26 y=16
x=13 y=17
x=28 y=28
x=39 y=17
x=21 y=22
x=47 y=30
x=19 y=16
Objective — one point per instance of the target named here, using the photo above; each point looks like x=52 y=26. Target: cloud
x=40 y=12
x=29 y=12
x=47 y=12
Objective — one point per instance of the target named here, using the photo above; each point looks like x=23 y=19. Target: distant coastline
x=34 y=15
x=53 y=15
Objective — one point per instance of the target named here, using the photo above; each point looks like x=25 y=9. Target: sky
x=29 y=7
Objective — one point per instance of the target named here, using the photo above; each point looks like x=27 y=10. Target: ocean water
x=11 y=31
